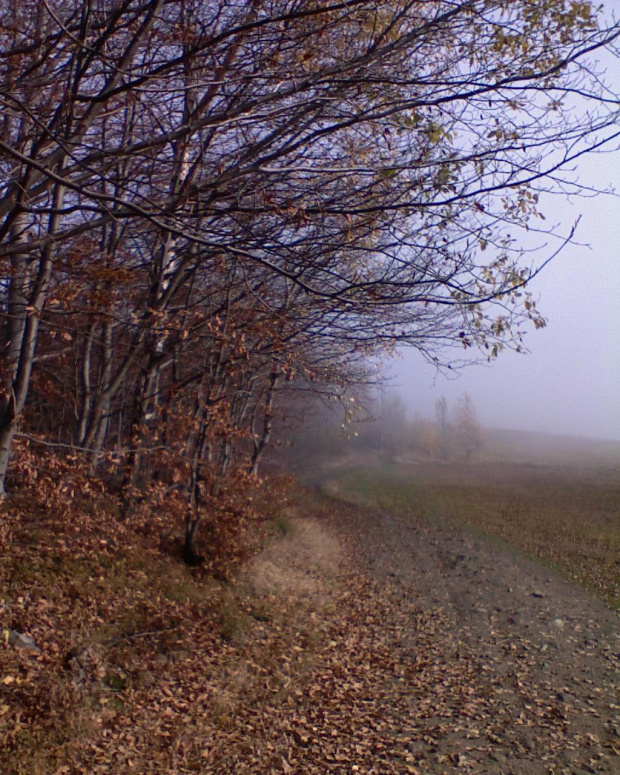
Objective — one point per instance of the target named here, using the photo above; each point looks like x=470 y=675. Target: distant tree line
x=382 y=426
x=210 y=209
x=452 y=435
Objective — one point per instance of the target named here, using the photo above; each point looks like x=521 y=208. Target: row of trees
x=464 y=431
x=455 y=433
x=206 y=205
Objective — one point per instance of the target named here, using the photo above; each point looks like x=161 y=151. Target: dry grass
x=567 y=516
x=274 y=616
x=297 y=565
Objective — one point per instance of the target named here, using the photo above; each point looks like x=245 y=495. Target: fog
x=569 y=382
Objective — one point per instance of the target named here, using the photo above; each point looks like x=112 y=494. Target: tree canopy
x=203 y=202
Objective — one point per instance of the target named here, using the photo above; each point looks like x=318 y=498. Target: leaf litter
x=343 y=647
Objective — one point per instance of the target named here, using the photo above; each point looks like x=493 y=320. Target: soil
x=541 y=655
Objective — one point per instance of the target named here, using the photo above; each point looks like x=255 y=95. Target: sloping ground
x=354 y=643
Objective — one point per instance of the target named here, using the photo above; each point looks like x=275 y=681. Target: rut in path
x=546 y=652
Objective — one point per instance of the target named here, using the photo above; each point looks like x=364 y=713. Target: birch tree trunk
x=25 y=310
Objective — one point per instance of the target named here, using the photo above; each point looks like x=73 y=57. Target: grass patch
x=282 y=526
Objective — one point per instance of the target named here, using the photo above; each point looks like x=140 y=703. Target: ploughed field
x=566 y=515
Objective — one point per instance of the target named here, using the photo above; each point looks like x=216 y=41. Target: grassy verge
x=144 y=665
x=565 y=516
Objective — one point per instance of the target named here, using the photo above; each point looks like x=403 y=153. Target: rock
x=558 y=624
x=84 y=663
x=21 y=640
x=537 y=594
x=146 y=679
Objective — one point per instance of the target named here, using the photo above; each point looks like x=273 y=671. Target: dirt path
x=541 y=655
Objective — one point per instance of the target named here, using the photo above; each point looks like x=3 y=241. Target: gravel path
x=546 y=653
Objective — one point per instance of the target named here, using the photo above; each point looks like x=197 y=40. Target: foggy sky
x=569 y=383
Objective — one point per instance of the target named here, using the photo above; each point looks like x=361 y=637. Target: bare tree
x=443 y=426
x=467 y=428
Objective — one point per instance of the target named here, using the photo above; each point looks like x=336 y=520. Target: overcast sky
x=569 y=383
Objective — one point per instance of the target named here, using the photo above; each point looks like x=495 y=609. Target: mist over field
x=569 y=381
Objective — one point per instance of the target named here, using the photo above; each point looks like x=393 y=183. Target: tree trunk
x=85 y=412
x=24 y=329
x=7 y=432
x=261 y=441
